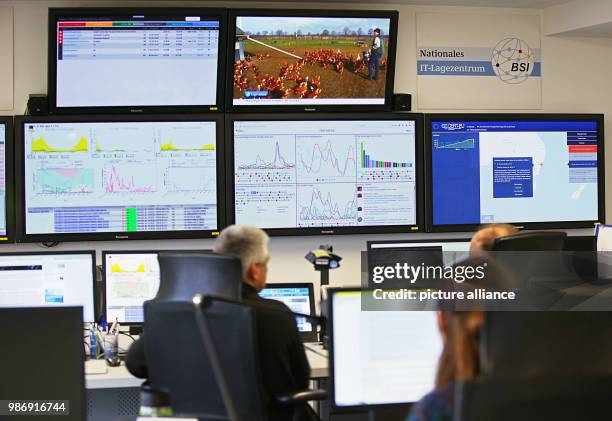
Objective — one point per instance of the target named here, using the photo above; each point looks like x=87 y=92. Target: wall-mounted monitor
x=7 y=202
x=130 y=278
x=119 y=177
x=531 y=170
x=134 y=60
x=297 y=174
x=311 y=59
x=49 y=279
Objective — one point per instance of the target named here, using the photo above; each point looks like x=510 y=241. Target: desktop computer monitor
x=130 y=278
x=42 y=359
x=299 y=297
x=380 y=357
x=7 y=212
x=49 y=279
x=451 y=249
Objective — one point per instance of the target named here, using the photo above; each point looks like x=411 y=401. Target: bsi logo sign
x=512 y=60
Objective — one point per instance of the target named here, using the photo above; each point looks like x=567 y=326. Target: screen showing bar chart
x=119 y=177
x=310 y=174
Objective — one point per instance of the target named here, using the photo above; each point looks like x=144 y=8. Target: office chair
x=207 y=359
x=531 y=241
x=534 y=260
x=184 y=274
x=541 y=399
x=546 y=343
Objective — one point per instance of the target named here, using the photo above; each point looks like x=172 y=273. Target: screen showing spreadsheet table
x=120 y=177
x=136 y=60
x=514 y=171
x=323 y=173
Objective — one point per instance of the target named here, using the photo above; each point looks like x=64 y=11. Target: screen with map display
x=520 y=170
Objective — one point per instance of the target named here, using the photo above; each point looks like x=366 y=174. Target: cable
x=128 y=335
x=49 y=244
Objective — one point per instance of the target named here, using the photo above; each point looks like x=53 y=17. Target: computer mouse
x=113 y=361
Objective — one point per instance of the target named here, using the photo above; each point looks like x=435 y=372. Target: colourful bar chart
x=368 y=162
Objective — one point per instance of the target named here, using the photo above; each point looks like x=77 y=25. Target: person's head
x=460 y=358
x=250 y=244
x=377 y=32
x=485 y=237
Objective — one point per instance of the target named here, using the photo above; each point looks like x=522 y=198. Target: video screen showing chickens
x=310 y=60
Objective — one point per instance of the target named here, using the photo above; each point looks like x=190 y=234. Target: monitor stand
x=391 y=413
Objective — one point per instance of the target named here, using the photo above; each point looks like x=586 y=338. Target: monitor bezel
x=293 y=231
x=56 y=13
x=369 y=243
x=311 y=336
x=9 y=179
x=23 y=237
x=104 y=253
x=393 y=15
x=598 y=118
x=91 y=253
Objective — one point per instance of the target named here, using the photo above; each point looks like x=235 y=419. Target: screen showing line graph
x=3 y=230
x=95 y=177
x=317 y=174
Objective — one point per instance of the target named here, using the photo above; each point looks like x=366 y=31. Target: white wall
x=576 y=78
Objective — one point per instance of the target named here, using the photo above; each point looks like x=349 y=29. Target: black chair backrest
x=184 y=274
x=178 y=361
x=549 y=399
x=529 y=344
x=42 y=354
x=531 y=241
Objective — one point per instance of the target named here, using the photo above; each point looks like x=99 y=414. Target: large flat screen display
x=119 y=179
x=127 y=59
x=6 y=180
x=311 y=60
x=517 y=169
x=326 y=175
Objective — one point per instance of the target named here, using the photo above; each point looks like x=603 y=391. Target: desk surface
x=119 y=377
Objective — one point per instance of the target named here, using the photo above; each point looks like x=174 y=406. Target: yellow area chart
x=171 y=147
x=116 y=268
x=40 y=145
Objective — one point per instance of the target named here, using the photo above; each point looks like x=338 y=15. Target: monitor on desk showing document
x=371 y=350
x=49 y=279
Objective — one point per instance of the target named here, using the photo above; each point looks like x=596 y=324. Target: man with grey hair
x=250 y=244
x=283 y=361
